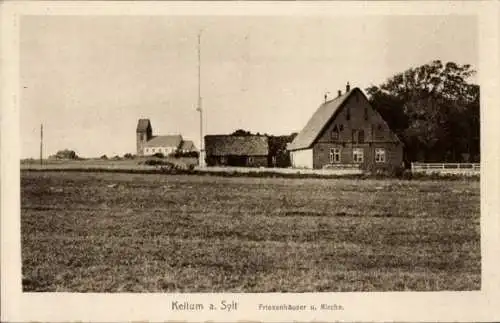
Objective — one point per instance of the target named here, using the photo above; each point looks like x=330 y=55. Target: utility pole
x=41 y=144
x=199 y=108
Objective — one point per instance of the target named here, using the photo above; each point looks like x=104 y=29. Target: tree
x=433 y=109
x=278 y=153
x=65 y=154
x=241 y=132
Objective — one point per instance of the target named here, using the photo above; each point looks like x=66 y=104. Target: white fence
x=446 y=168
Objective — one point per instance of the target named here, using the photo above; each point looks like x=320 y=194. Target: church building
x=147 y=144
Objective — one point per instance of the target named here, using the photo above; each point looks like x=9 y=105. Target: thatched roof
x=318 y=121
x=226 y=145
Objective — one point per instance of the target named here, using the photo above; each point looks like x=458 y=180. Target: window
x=361 y=136
x=348 y=114
x=334 y=155
x=357 y=155
x=153 y=150
x=250 y=160
x=341 y=127
x=335 y=133
x=379 y=155
x=142 y=137
x=366 y=113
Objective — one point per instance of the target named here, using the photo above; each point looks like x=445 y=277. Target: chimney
x=347 y=87
x=339 y=93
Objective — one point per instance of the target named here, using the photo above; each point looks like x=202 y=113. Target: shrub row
x=174 y=169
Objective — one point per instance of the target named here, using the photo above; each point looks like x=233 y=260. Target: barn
x=346 y=132
x=230 y=150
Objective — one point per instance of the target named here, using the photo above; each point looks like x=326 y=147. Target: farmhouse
x=147 y=144
x=346 y=132
x=230 y=150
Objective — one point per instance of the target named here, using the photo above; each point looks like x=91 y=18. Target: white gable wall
x=302 y=158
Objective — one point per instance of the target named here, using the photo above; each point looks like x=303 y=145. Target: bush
x=128 y=156
x=191 y=154
x=159 y=155
x=157 y=162
x=65 y=154
x=104 y=157
x=406 y=174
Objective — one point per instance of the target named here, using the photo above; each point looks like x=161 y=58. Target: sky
x=88 y=79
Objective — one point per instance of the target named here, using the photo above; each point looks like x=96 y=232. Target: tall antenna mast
x=199 y=108
x=41 y=144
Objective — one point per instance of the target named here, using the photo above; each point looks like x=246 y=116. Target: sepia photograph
x=228 y=154
x=203 y=155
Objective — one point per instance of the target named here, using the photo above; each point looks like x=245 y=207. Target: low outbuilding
x=229 y=150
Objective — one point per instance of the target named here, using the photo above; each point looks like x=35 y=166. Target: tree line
x=434 y=110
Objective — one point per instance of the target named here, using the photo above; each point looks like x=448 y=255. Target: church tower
x=144 y=133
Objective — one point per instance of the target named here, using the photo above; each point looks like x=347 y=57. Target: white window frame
x=358 y=155
x=335 y=155
x=380 y=155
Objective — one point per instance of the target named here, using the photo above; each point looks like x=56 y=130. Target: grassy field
x=136 y=163
x=110 y=232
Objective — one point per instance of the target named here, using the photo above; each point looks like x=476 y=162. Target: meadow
x=117 y=232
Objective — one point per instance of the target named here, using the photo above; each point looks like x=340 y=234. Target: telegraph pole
x=199 y=108
x=41 y=144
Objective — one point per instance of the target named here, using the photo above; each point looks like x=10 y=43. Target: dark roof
x=188 y=145
x=318 y=121
x=164 y=141
x=143 y=125
x=225 y=145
